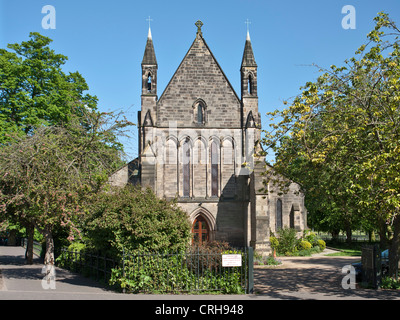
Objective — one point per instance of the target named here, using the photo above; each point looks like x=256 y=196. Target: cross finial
x=247 y=22
x=149 y=20
x=199 y=24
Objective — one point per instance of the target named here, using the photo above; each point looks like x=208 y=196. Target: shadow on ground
x=319 y=276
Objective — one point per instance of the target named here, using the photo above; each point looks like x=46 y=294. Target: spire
x=149 y=56
x=248 y=55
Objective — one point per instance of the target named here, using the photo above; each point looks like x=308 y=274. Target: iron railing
x=92 y=265
x=37 y=247
x=193 y=271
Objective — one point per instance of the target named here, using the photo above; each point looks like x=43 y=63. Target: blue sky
x=105 y=41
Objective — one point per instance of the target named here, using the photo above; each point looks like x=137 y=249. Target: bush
x=136 y=220
x=321 y=244
x=198 y=269
x=274 y=242
x=287 y=241
x=390 y=283
x=311 y=237
x=304 y=245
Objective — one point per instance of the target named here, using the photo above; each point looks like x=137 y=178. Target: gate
x=371 y=265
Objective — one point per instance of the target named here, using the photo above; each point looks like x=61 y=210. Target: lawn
x=345 y=253
x=346 y=250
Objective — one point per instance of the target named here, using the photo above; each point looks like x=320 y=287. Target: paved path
x=316 y=277
x=21 y=281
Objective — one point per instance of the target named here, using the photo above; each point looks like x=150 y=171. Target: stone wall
x=199 y=77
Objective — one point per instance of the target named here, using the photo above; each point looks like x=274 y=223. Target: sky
x=105 y=41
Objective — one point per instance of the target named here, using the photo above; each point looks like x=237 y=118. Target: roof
x=198 y=50
x=248 y=55
x=149 y=57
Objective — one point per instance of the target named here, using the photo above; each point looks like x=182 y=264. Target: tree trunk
x=349 y=235
x=335 y=235
x=30 y=230
x=394 y=249
x=49 y=256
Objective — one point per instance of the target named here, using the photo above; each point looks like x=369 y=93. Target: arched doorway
x=200 y=230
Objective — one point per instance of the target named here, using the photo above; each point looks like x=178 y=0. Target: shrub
x=321 y=244
x=274 y=242
x=198 y=269
x=136 y=219
x=390 y=283
x=271 y=261
x=287 y=241
x=307 y=252
x=311 y=237
x=304 y=245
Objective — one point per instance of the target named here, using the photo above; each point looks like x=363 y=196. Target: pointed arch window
x=250 y=85
x=149 y=82
x=279 y=220
x=199 y=112
x=186 y=169
x=214 y=169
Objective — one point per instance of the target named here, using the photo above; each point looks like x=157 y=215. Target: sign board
x=231 y=260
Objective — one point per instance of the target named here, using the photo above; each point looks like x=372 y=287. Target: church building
x=197 y=144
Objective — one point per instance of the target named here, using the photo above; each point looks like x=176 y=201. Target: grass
x=346 y=250
x=345 y=253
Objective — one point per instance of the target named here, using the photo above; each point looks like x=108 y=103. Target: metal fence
x=92 y=265
x=194 y=271
x=37 y=247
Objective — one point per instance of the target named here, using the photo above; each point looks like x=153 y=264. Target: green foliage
x=314 y=240
x=310 y=236
x=304 y=245
x=274 y=242
x=47 y=178
x=340 y=140
x=390 y=283
x=56 y=150
x=34 y=91
x=196 y=270
x=133 y=219
x=321 y=244
x=270 y=261
x=287 y=241
x=76 y=246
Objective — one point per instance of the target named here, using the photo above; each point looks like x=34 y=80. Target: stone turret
x=147 y=116
x=248 y=74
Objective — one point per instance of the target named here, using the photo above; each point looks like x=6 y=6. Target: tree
x=346 y=125
x=34 y=91
x=47 y=179
x=133 y=219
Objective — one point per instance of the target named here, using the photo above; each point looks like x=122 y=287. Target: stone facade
x=196 y=144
